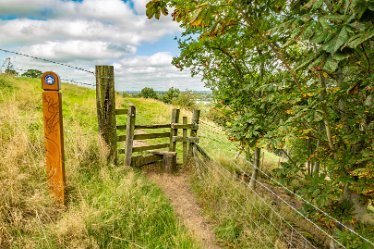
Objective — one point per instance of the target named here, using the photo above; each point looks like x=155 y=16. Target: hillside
x=108 y=206
x=208 y=204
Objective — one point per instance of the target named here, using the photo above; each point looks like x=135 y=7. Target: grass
x=107 y=207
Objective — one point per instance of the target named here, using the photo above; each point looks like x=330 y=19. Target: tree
x=170 y=95
x=32 y=73
x=185 y=100
x=295 y=76
x=11 y=71
x=148 y=92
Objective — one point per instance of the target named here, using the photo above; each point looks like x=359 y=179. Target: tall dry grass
x=107 y=206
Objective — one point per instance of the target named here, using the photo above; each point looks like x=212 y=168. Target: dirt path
x=178 y=190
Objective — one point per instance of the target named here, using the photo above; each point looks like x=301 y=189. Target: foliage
x=32 y=73
x=291 y=75
x=148 y=92
x=185 y=100
x=11 y=71
x=170 y=95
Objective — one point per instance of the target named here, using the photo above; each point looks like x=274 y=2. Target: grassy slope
x=108 y=207
x=239 y=216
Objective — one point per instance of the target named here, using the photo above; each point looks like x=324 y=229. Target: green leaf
x=360 y=38
x=339 y=40
x=330 y=65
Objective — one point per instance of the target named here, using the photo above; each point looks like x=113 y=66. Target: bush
x=186 y=100
x=32 y=73
x=148 y=93
x=170 y=95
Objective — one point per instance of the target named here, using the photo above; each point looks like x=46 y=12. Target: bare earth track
x=178 y=190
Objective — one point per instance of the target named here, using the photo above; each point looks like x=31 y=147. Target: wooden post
x=195 y=121
x=130 y=128
x=185 y=144
x=105 y=101
x=174 y=132
x=53 y=135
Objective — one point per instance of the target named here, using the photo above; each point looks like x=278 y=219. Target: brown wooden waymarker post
x=53 y=134
x=105 y=101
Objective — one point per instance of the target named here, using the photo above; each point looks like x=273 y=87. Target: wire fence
x=65 y=80
x=48 y=60
x=271 y=192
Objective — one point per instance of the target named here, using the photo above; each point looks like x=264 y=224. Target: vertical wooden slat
x=195 y=121
x=105 y=101
x=174 y=132
x=130 y=128
x=185 y=144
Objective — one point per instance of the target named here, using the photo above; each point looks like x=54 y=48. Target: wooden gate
x=160 y=152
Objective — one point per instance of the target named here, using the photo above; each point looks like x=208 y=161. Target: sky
x=85 y=33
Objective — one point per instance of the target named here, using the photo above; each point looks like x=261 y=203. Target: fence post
x=185 y=144
x=174 y=132
x=105 y=102
x=195 y=121
x=53 y=134
x=130 y=128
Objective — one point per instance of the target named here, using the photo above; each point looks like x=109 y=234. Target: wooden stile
x=53 y=134
x=139 y=161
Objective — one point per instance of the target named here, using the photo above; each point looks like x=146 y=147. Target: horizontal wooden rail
x=202 y=152
x=151 y=135
x=121 y=138
x=121 y=127
x=184 y=126
x=154 y=126
x=150 y=147
x=187 y=139
x=120 y=111
x=138 y=161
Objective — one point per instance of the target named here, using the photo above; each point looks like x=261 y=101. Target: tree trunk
x=256 y=166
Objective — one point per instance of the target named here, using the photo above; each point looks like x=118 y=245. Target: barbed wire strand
x=47 y=60
x=74 y=82
x=221 y=132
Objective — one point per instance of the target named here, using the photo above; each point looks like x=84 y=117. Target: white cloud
x=153 y=71
x=92 y=32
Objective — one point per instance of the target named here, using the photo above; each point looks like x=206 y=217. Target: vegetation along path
x=178 y=190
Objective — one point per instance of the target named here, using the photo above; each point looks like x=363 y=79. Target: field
x=108 y=206
x=112 y=206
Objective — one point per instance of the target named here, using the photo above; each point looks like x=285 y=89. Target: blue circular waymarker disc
x=49 y=79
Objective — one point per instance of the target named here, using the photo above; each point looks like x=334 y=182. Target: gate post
x=130 y=128
x=105 y=102
x=195 y=121
x=53 y=135
x=174 y=132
